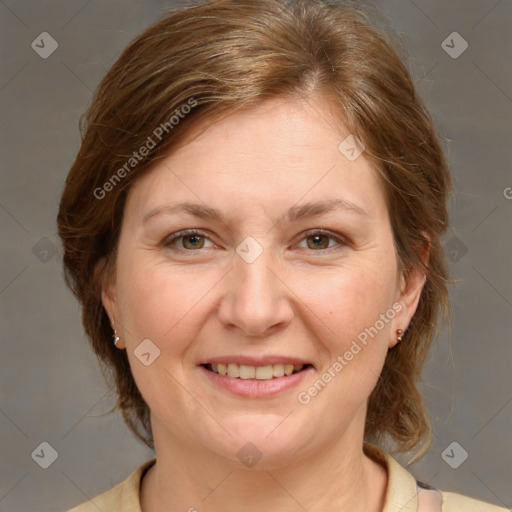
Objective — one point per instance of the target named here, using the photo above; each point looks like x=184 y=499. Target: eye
x=188 y=240
x=192 y=240
x=320 y=239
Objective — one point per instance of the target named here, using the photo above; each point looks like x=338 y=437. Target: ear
x=411 y=285
x=107 y=281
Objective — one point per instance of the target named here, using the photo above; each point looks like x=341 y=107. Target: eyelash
x=341 y=242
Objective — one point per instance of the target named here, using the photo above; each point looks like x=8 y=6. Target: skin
x=295 y=299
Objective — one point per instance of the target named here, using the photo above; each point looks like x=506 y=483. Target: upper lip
x=255 y=361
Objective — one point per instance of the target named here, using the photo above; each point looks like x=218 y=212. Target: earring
x=116 y=337
x=399 y=335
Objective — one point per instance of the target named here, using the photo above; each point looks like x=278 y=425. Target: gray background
x=50 y=387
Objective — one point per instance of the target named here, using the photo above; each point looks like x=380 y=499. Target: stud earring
x=116 y=337
x=399 y=335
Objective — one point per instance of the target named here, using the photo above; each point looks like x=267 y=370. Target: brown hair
x=224 y=55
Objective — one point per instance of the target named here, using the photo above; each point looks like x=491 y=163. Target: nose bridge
x=256 y=299
x=255 y=278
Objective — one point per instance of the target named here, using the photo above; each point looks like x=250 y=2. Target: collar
x=401 y=493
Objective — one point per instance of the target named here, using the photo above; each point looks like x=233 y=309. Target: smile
x=266 y=372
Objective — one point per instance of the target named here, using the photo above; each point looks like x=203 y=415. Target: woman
x=253 y=227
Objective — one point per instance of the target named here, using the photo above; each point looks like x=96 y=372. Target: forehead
x=279 y=151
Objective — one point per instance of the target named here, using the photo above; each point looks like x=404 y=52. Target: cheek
x=161 y=302
x=150 y=302
x=359 y=315
x=351 y=299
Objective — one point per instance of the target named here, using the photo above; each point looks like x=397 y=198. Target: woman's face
x=291 y=262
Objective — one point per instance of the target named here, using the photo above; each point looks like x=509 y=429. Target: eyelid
x=340 y=240
x=168 y=241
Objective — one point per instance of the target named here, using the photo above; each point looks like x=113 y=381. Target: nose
x=256 y=301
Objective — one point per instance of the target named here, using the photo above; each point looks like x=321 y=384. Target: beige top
x=402 y=494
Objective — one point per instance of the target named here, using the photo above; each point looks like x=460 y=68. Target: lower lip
x=253 y=388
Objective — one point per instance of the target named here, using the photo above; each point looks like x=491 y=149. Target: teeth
x=267 y=372
x=247 y=372
x=233 y=370
x=278 y=370
x=264 y=372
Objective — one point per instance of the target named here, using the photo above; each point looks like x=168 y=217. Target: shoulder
x=430 y=499
x=453 y=502
x=124 y=497
x=404 y=493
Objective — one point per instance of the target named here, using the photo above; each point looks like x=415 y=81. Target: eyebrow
x=294 y=214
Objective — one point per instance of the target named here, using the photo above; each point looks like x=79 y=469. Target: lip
x=255 y=361
x=253 y=388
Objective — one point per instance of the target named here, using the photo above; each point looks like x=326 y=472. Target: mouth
x=248 y=372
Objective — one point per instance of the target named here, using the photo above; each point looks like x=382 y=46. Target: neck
x=339 y=477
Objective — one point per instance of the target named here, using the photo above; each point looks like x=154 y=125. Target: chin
x=264 y=441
